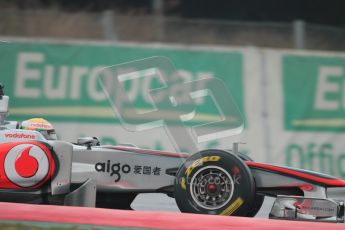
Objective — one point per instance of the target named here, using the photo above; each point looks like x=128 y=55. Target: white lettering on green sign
x=324 y=87
x=36 y=79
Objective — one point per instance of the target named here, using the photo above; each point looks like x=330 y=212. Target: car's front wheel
x=215 y=182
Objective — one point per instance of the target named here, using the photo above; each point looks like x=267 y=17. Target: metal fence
x=157 y=28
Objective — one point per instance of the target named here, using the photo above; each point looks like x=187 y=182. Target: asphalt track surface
x=161 y=202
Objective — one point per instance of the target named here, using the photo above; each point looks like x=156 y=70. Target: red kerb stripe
x=152 y=220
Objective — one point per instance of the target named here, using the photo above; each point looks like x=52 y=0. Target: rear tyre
x=215 y=182
x=115 y=200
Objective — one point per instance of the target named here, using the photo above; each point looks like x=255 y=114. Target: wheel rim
x=211 y=187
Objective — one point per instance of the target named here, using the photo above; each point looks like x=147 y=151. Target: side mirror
x=88 y=142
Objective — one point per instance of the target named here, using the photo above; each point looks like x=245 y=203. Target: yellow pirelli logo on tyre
x=199 y=162
x=233 y=207
x=183 y=183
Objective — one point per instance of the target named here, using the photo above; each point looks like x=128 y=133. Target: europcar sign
x=59 y=81
x=312 y=112
x=314 y=93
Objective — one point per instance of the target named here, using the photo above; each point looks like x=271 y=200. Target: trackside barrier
x=292 y=100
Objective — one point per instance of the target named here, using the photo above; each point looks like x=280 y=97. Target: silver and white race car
x=36 y=170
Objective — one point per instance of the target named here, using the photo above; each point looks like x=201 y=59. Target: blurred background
x=283 y=62
x=297 y=24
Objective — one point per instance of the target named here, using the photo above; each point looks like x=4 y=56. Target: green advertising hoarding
x=314 y=92
x=59 y=81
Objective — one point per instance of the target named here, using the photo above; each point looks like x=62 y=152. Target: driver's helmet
x=41 y=125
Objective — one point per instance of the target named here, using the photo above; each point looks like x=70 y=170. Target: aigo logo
x=25 y=165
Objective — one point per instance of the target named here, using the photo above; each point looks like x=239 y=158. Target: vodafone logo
x=38 y=125
x=20 y=136
x=26 y=165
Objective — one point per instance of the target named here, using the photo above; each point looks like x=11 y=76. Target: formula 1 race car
x=36 y=170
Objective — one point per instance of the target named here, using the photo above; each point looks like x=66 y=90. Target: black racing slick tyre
x=215 y=182
x=259 y=199
x=115 y=201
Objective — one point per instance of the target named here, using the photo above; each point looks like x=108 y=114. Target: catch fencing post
x=108 y=25
x=299 y=34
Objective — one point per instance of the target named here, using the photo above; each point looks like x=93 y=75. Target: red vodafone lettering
x=20 y=136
